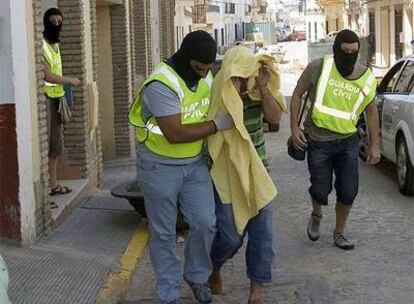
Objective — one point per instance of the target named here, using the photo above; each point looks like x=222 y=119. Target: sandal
x=59 y=189
x=53 y=205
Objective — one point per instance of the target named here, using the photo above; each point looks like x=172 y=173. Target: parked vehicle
x=395 y=102
x=297 y=36
x=280 y=35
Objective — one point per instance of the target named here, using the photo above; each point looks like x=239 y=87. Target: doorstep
x=68 y=202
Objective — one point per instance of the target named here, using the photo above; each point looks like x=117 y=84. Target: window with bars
x=230 y=8
x=199 y=15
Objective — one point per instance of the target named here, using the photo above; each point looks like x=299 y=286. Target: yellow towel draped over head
x=237 y=170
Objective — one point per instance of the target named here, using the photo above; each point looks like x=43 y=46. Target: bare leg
x=317 y=208
x=53 y=172
x=255 y=293
x=342 y=212
x=215 y=283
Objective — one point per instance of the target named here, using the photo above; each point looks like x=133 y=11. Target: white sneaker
x=342 y=242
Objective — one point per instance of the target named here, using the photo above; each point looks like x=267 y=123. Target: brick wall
x=166 y=14
x=134 y=76
x=142 y=36
x=42 y=213
x=94 y=30
x=149 y=35
x=96 y=167
x=72 y=37
x=121 y=53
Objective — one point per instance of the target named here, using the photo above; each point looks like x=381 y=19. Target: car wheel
x=405 y=171
x=363 y=138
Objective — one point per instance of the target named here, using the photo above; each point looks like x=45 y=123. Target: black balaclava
x=345 y=62
x=199 y=46
x=52 y=31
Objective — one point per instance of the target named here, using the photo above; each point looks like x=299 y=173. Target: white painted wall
x=21 y=86
x=219 y=21
x=6 y=82
x=46 y=4
x=182 y=24
x=155 y=34
x=315 y=18
x=392 y=31
x=36 y=157
x=379 y=28
x=408 y=28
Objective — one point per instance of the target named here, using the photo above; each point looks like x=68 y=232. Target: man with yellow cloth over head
x=246 y=87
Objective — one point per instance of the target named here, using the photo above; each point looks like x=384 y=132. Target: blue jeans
x=163 y=186
x=259 y=251
x=328 y=157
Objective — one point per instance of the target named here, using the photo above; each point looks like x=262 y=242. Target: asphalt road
x=379 y=270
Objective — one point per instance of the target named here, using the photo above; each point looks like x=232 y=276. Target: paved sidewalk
x=72 y=263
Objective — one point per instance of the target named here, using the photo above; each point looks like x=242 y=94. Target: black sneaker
x=201 y=291
x=341 y=241
x=313 y=227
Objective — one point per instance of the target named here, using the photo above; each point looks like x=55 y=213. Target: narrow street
x=82 y=82
x=379 y=270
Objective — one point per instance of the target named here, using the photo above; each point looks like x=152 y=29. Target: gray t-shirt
x=308 y=82
x=159 y=100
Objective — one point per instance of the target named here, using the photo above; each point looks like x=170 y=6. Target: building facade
x=224 y=20
x=314 y=21
x=110 y=45
x=388 y=24
x=341 y=14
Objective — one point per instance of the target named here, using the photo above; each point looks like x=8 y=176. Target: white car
x=395 y=102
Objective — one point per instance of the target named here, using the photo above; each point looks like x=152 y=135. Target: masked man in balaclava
x=54 y=81
x=170 y=116
x=339 y=89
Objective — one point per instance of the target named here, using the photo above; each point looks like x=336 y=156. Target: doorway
x=105 y=76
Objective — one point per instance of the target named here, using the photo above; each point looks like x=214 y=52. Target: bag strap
x=302 y=111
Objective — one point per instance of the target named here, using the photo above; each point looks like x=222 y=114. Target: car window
x=390 y=78
x=405 y=82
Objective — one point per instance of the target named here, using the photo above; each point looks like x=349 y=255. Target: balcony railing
x=324 y=3
x=200 y=13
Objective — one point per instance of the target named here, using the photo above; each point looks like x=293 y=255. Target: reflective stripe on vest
x=162 y=69
x=327 y=68
x=153 y=128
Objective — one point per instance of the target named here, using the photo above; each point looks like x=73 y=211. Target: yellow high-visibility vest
x=340 y=101
x=194 y=109
x=54 y=60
